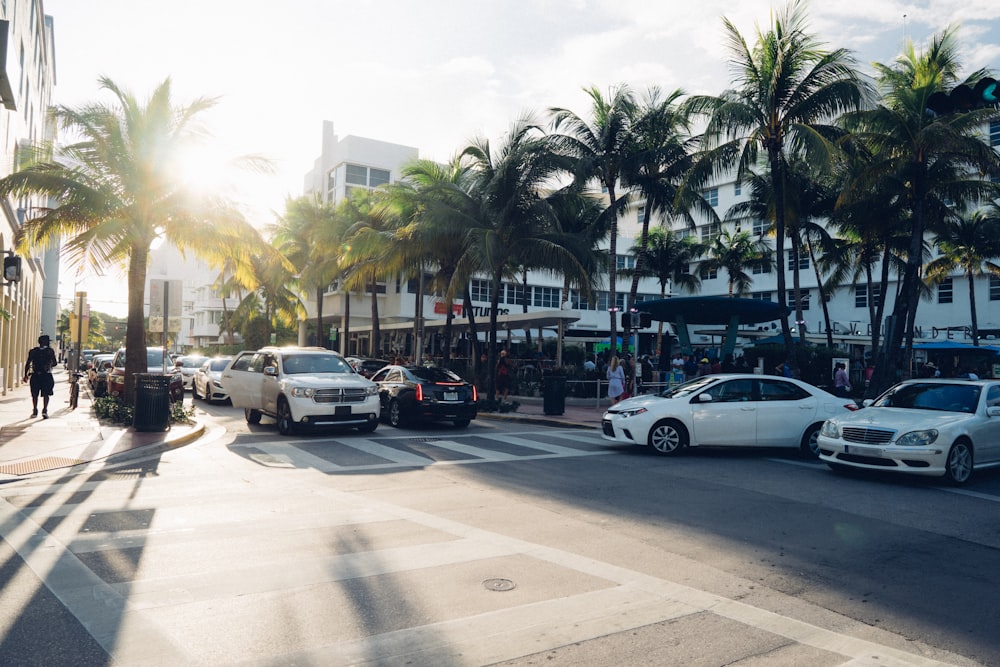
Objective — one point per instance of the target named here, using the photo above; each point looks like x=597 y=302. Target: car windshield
x=294 y=364
x=689 y=387
x=434 y=374
x=154 y=358
x=218 y=364
x=949 y=397
x=192 y=362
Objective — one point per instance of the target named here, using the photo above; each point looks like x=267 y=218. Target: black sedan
x=420 y=393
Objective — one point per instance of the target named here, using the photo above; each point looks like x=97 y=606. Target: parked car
x=207 y=383
x=425 y=393
x=188 y=365
x=367 y=367
x=299 y=387
x=732 y=410
x=100 y=367
x=154 y=365
x=946 y=428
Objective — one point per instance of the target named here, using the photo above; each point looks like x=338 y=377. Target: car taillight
x=851 y=406
x=475 y=394
x=420 y=392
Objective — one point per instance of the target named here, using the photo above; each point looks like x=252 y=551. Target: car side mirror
x=271 y=370
x=705 y=398
x=993 y=411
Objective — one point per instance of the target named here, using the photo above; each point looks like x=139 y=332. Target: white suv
x=301 y=386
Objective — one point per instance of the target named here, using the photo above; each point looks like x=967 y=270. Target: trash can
x=152 y=402
x=554 y=394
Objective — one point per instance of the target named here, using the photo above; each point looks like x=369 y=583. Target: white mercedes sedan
x=944 y=428
x=730 y=410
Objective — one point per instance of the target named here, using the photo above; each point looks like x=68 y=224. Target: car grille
x=339 y=395
x=866 y=436
x=607 y=428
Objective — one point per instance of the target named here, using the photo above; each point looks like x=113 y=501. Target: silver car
x=943 y=428
x=207 y=381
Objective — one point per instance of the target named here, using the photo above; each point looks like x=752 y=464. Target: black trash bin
x=554 y=394
x=152 y=402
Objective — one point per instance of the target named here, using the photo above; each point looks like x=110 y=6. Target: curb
x=538 y=421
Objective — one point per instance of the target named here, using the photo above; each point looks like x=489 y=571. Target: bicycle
x=74 y=389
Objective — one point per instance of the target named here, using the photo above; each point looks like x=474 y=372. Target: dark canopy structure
x=719 y=310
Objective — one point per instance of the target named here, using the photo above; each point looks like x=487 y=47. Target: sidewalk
x=71 y=438
x=577 y=413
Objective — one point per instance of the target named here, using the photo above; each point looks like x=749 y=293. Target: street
x=501 y=543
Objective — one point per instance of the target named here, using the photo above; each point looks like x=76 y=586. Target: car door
x=270 y=385
x=243 y=382
x=725 y=414
x=784 y=412
x=383 y=389
x=987 y=438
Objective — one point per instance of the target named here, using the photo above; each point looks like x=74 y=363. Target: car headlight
x=917 y=438
x=372 y=390
x=830 y=430
x=632 y=412
x=303 y=392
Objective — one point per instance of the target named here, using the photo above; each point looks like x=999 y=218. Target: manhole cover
x=499 y=585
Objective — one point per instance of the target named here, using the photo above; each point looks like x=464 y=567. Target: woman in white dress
x=616 y=380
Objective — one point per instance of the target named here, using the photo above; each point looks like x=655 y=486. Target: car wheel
x=462 y=423
x=286 y=426
x=810 y=442
x=195 y=394
x=668 y=437
x=252 y=416
x=958 y=467
x=368 y=427
x=396 y=417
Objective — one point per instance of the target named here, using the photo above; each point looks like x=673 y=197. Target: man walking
x=41 y=361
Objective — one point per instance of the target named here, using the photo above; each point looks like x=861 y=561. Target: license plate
x=863 y=451
x=451 y=395
x=342 y=410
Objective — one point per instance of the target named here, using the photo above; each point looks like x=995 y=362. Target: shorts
x=42 y=383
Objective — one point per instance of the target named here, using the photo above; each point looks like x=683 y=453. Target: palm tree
x=667 y=257
x=118 y=189
x=737 y=252
x=787 y=87
x=601 y=149
x=302 y=235
x=968 y=244
x=925 y=162
x=658 y=168
x=510 y=220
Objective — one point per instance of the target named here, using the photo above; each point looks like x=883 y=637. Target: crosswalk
x=407 y=451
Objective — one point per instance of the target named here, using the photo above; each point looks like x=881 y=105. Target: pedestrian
x=503 y=375
x=616 y=380
x=841 y=382
x=704 y=368
x=39 y=365
x=784 y=369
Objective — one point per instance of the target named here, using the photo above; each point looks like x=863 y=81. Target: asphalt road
x=496 y=544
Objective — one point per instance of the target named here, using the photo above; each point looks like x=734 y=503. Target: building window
x=737 y=189
x=995 y=133
x=515 y=294
x=944 y=291
x=804 y=300
x=759 y=268
x=761 y=296
x=545 y=297
x=994 y=288
x=377 y=177
x=684 y=232
x=642 y=214
x=481 y=290
x=625 y=262
x=712 y=196
x=710 y=231
x=708 y=274
x=357 y=175
x=861 y=294
x=759 y=227
x=803 y=261
x=578 y=301
x=603 y=302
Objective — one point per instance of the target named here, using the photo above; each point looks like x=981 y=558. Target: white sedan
x=922 y=427
x=736 y=410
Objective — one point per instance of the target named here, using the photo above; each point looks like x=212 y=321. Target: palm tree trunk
x=822 y=293
x=492 y=354
x=321 y=339
x=797 y=288
x=418 y=320
x=972 y=308
x=778 y=183
x=473 y=332
x=524 y=307
x=345 y=345
x=613 y=270
x=376 y=333
x=135 y=327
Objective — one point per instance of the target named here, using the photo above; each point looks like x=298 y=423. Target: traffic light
x=964 y=98
x=12 y=268
x=635 y=320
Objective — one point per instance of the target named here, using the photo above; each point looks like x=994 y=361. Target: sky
x=432 y=74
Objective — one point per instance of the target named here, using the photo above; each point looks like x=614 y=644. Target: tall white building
x=27 y=77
